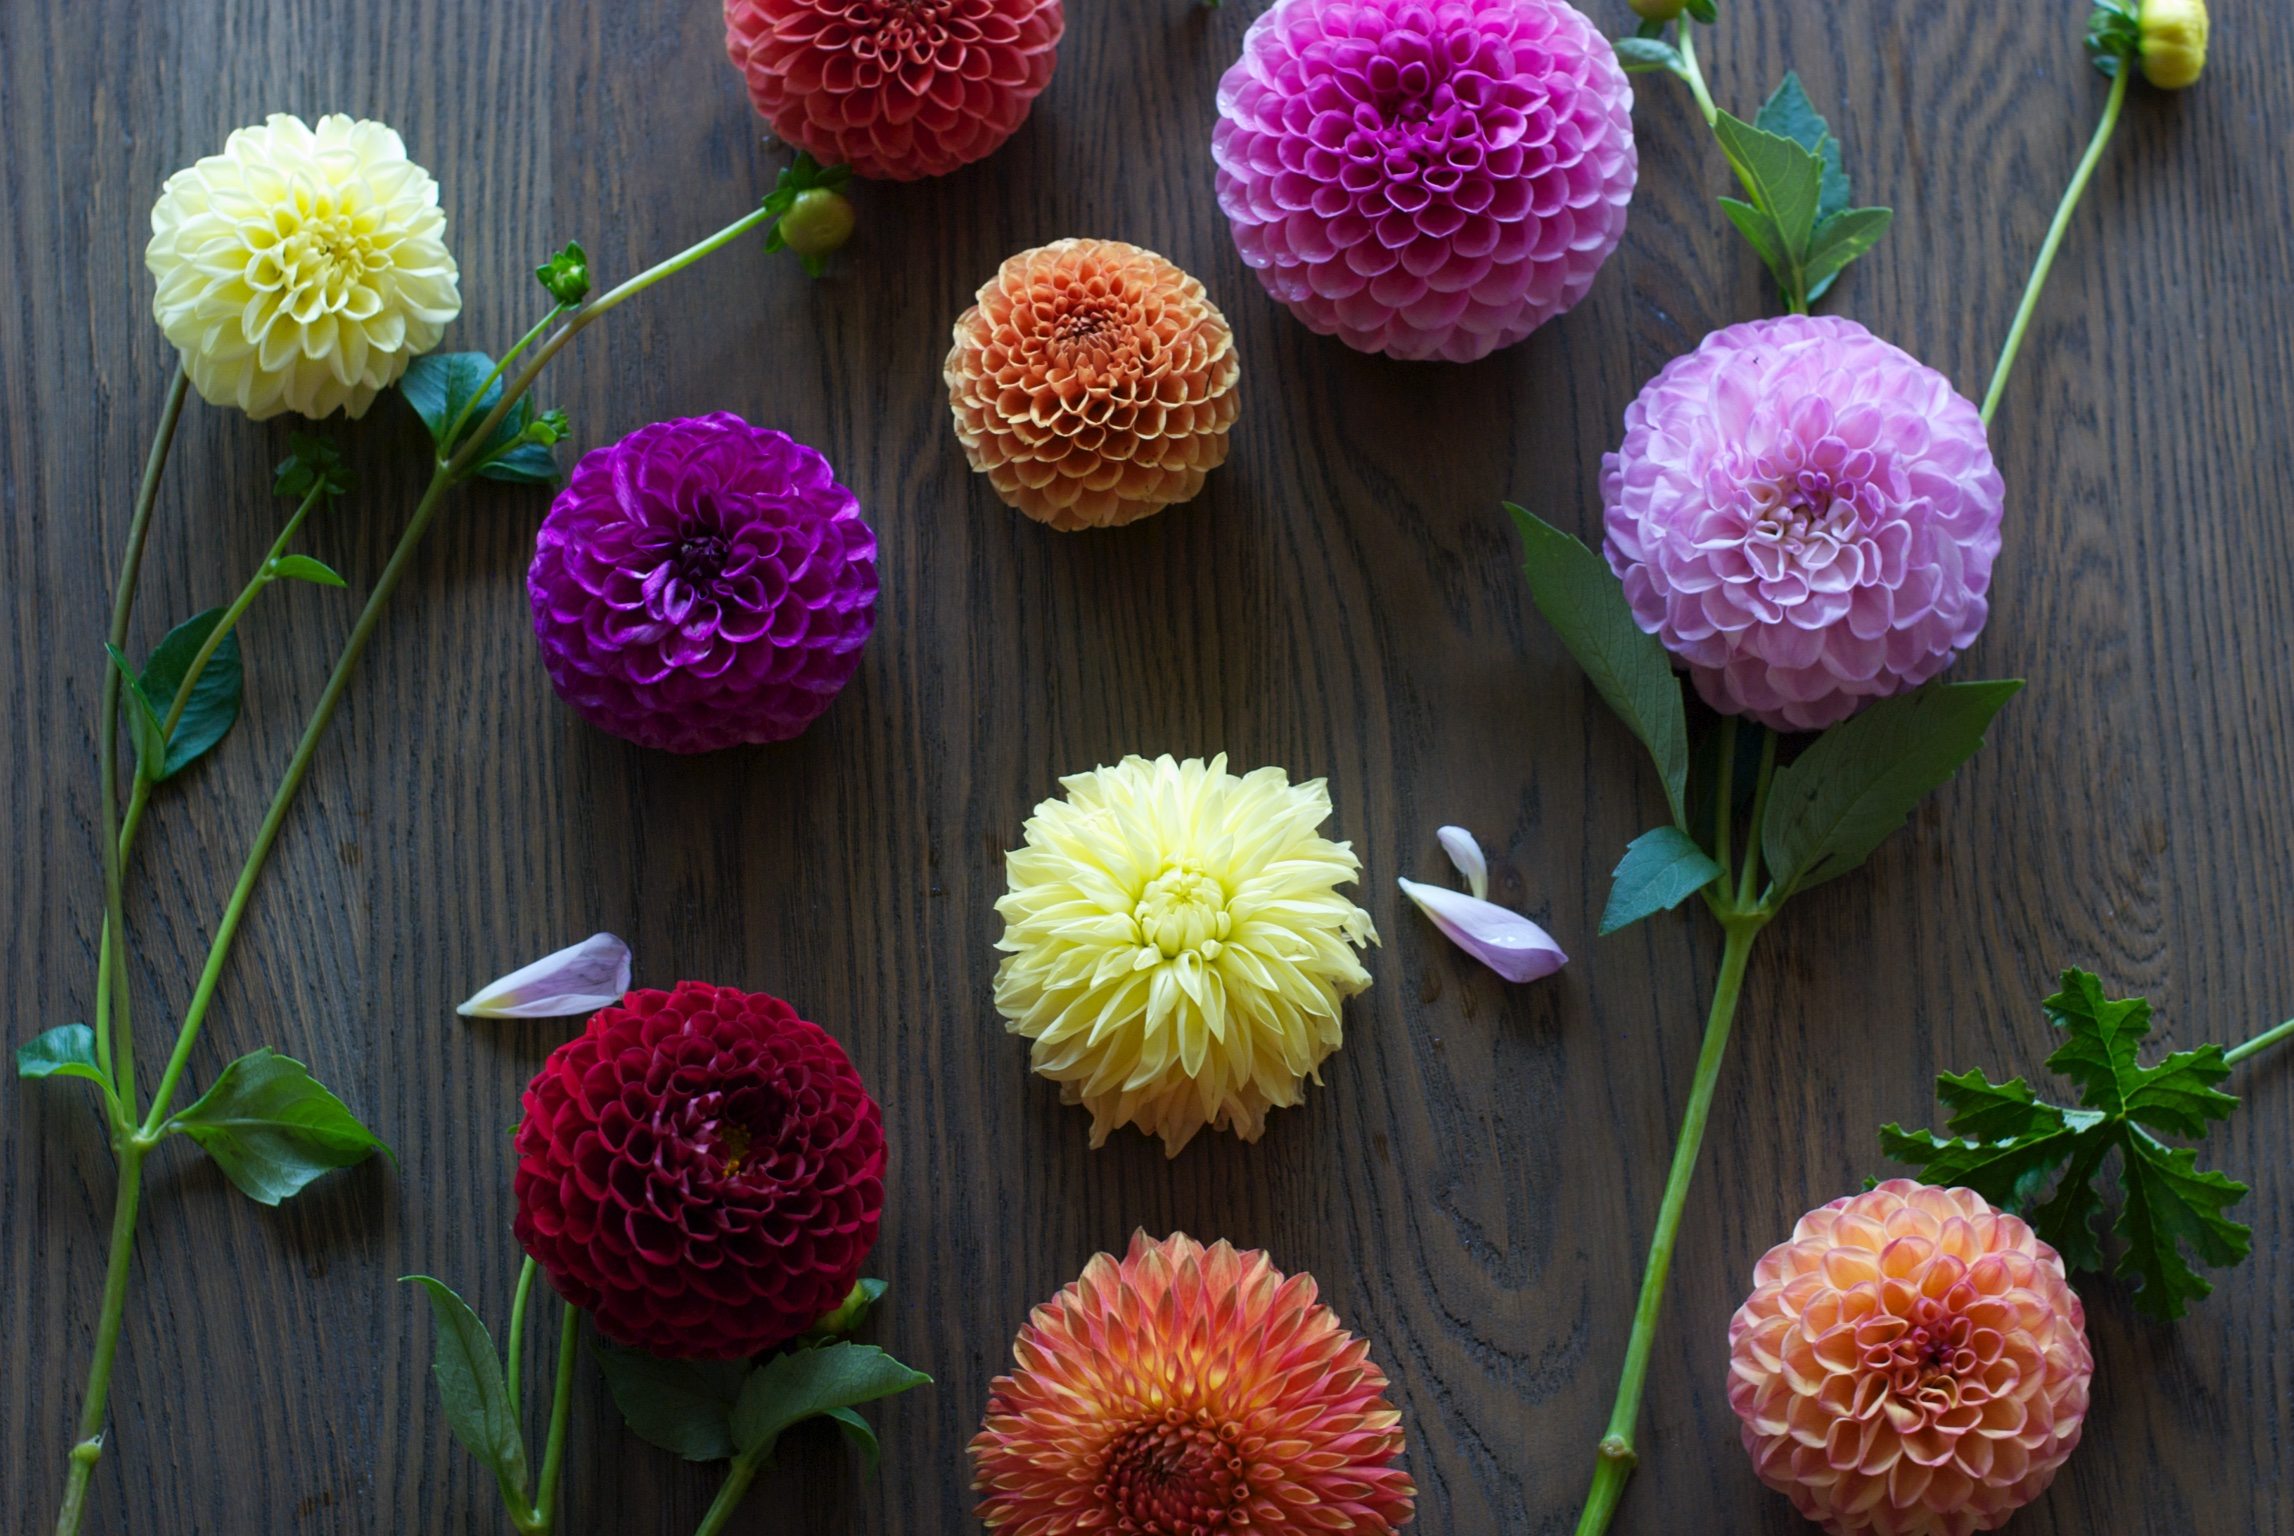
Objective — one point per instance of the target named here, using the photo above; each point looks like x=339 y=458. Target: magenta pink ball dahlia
x=1425 y=178
x=701 y=584
x=702 y=1171
x=1806 y=516
x=896 y=89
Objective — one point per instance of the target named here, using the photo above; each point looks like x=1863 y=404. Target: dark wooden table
x=1473 y=1187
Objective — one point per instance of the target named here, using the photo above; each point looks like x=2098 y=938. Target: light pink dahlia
x=1806 y=516
x=1912 y=1363
x=1425 y=178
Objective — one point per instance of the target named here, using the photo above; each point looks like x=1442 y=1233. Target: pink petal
x=1464 y=852
x=591 y=975
x=1506 y=942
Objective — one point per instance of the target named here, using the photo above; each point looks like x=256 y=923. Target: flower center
x=1183 y=908
x=699 y=558
x=889 y=29
x=734 y=1147
x=1926 y=1364
x=319 y=252
x=1174 y=1477
x=1806 y=514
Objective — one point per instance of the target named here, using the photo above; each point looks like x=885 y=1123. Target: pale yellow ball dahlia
x=1176 y=947
x=303 y=268
x=1912 y=1363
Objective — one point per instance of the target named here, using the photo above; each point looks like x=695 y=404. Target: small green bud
x=849 y=1314
x=566 y=275
x=2173 y=42
x=1657 y=10
x=311 y=463
x=549 y=429
x=819 y=222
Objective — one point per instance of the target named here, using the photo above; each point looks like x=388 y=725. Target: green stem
x=561 y=1414
x=2054 y=240
x=1694 y=75
x=1617 y=1457
x=1724 y=804
x=1749 y=880
x=2259 y=1043
x=453 y=431
x=94 y=1402
x=738 y=1476
x=515 y=1371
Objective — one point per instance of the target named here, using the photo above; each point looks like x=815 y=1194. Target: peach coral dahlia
x=1093 y=383
x=1189 y=1391
x=1912 y=1363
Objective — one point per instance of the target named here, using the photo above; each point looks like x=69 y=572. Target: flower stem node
x=2172 y=42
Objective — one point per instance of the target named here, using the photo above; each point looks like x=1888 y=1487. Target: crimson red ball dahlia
x=896 y=89
x=702 y=1171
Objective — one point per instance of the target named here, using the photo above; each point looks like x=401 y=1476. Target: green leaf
x=1627 y=666
x=791 y=1388
x=1786 y=183
x=304 y=568
x=1839 y=240
x=68 y=1050
x=1640 y=55
x=273 y=1128
x=439 y=384
x=1760 y=232
x=213 y=707
x=2010 y=1145
x=144 y=727
x=471 y=1384
x=1788 y=113
x=2114 y=35
x=1661 y=869
x=1859 y=780
x=1703 y=10
x=861 y=1433
x=848 y=1314
x=685 y=1406
x=312 y=463
x=526 y=464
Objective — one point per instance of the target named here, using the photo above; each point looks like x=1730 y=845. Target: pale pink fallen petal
x=1464 y=852
x=591 y=975
x=1506 y=942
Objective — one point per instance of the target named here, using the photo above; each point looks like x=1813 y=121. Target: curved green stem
x=2259 y=1043
x=1691 y=72
x=514 y=1372
x=453 y=431
x=2054 y=240
x=738 y=1476
x=1749 y=880
x=1617 y=1457
x=1724 y=806
x=94 y=1401
x=561 y=1414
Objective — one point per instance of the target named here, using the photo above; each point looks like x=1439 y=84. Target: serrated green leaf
x=2171 y=1204
x=1785 y=181
x=1859 y=780
x=2178 y=1095
x=273 y=1128
x=685 y=1406
x=304 y=568
x=1990 y=1111
x=1841 y=239
x=861 y=1433
x=1789 y=114
x=1761 y=233
x=213 y=707
x=2102 y=1038
x=2010 y=1174
x=1661 y=869
x=791 y=1388
x=472 y=1386
x=68 y=1050
x=2071 y=1219
x=1640 y=55
x=1627 y=666
x=144 y=728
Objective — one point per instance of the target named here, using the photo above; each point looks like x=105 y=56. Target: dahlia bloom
x=1806 y=516
x=1189 y=1390
x=702 y=1171
x=1425 y=179
x=303 y=268
x=896 y=89
x=1912 y=1363
x=703 y=583
x=1093 y=384
x=1176 y=947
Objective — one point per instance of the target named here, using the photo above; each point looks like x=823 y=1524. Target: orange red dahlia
x=1093 y=383
x=1189 y=1391
x=1912 y=1363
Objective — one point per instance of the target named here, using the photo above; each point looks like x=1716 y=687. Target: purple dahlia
x=1806 y=516
x=1425 y=178
x=701 y=584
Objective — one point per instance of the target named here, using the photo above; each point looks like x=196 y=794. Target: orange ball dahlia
x=1093 y=383
x=896 y=89
x=1189 y=1391
x=1912 y=1363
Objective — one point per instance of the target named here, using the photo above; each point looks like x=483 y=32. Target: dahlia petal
x=581 y=978
x=1505 y=941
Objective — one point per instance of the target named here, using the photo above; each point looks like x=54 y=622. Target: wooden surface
x=1473 y=1187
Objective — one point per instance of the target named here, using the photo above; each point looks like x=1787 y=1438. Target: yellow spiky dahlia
x=1912 y=1363
x=302 y=268
x=1190 y=1391
x=1176 y=946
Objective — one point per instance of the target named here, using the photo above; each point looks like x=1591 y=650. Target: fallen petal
x=1464 y=852
x=1506 y=942
x=589 y=976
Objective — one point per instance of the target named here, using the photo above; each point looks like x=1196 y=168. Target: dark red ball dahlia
x=702 y=1171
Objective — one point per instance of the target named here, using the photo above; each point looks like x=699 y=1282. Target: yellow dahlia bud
x=1176 y=947
x=303 y=268
x=2173 y=46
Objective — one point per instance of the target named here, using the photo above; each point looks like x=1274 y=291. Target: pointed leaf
x=213 y=707
x=472 y=1386
x=1859 y=781
x=861 y=1433
x=2071 y=1219
x=2178 y=1095
x=1990 y=1111
x=1839 y=240
x=1766 y=240
x=144 y=727
x=1661 y=869
x=2104 y=1036
x=272 y=1128
x=2171 y=1203
x=304 y=568
x=1789 y=114
x=526 y=464
x=68 y=1050
x=1627 y=666
x=439 y=384
x=1785 y=180
x=791 y=1388
x=1641 y=55
x=685 y=1406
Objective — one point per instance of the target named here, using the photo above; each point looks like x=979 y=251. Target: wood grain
x=1474 y=1185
